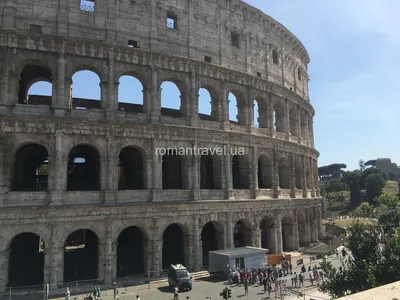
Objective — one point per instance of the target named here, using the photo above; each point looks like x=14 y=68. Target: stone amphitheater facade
x=179 y=206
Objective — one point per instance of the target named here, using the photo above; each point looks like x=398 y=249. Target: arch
x=132 y=248
x=237 y=107
x=173 y=172
x=301 y=221
x=212 y=239
x=208 y=103
x=26 y=260
x=174 y=241
x=288 y=242
x=30 y=171
x=240 y=172
x=242 y=234
x=299 y=173
x=131 y=169
x=293 y=121
x=172 y=98
x=83 y=169
x=30 y=75
x=283 y=173
x=279 y=116
x=86 y=89
x=268 y=234
x=210 y=175
x=130 y=94
x=81 y=255
x=265 y=172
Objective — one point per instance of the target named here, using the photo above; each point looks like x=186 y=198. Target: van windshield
x=182 y=274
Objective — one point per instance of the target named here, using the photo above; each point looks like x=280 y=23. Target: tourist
x=67 y=294
x=115 y=290
x=246 y=286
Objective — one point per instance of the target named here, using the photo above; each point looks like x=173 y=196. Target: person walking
x=246 y=287
x=115 y=290
x=137 y=297
x=68 y=294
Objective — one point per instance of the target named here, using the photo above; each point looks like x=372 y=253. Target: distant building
x=386 y=164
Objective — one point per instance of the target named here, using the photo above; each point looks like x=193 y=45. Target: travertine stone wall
x=269 y=66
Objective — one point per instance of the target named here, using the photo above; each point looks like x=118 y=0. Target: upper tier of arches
x=231 y=34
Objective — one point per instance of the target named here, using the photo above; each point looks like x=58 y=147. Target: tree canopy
x=333 y=171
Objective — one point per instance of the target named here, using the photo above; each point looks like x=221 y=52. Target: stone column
x=270 y=113
x=110 y=247
x=188 y=246
x=292 y=172
x=256 y=237
x=254 y=172
x=13 y=81
x=307 y=235
x=195 y=161
x=4 y=257
x=58 y=101
x=193 y=99
x=104 y=101
x=272 y=239
x=67 y=101
x=287 y=118
x=275 y=175
x=296 y=241
x=112 y=103
x=4 y=98
x=228 y=175
x=250 y=109
x=298 y=125
x=103 y=174
x=156 y=173
x=197 y=249
x=157 y=256
x=313 y=177
x=110 y=194
x=225 y=107
x=229 y=232
x=155 y=103
x=278 y=222
x=59 y=170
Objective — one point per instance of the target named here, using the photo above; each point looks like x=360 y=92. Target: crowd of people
x=270 y=277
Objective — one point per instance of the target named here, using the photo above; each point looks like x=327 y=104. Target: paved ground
x=203 y=288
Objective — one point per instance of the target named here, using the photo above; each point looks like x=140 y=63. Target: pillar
x=229 y=232
x=272 y=239
x=104 y=88
x=156 y=173
x=197 y=249
x=155 y=98
x=278 y=224
x=287 y=117
x=109 y=254
x=270 y=114
x=58 y=101
x=4 y=97
x=4 y=255
x=157 y=257
x=193 y=100
x=296 y=240
x=112 y=103
x=188 y=246
x=59 y=170
x=275 y=174
x=13 y=82
x=292 y=174
x=103 y=174
x=254 y=172
x=224 y=118
x=112 y=173
x=228 y=175
x=256 y=237
x=250 y=109
x=195 y=166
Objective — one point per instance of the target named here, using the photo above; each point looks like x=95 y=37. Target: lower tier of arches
x=117 y=242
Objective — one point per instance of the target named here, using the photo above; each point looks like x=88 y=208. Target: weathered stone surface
x=269 y=66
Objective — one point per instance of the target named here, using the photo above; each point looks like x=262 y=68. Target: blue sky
x=355 y=65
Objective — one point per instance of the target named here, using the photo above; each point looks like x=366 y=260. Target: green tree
x=333 y=191
x=333 y=171
x=352 y=179
x=361 y=163
x=365 y=210
x=371 y=163
x=370 y=171
x=374 y=185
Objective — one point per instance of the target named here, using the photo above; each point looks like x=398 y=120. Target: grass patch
x=391 y=187
x=348 y=222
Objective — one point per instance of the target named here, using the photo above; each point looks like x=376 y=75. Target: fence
x=79 y=288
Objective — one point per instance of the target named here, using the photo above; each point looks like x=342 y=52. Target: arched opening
x=242 y=234
x=171 y=100
x=275 y=57
x=83 y=169
x=301 y=220
x=299 y=173
x=299 y=74
x=85 y=90
x=206 y=109
x=31 y=169
x=131 y=169
x=81 y=256
x=233 y=109
x=131 y=252
x=38 y=81
x=173 y=251
x=256 y=114
x=240 y=172
x=279 y=117
x=284 y=174
x=288 y=243
x=268 y=231
x=293 y=121
x=172 y=173
x=207 y=172
x=264 y=172
x=26 y=262
x=212 y=239
x=130 y=94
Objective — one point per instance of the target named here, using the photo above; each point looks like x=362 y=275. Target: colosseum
x=84 y=195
